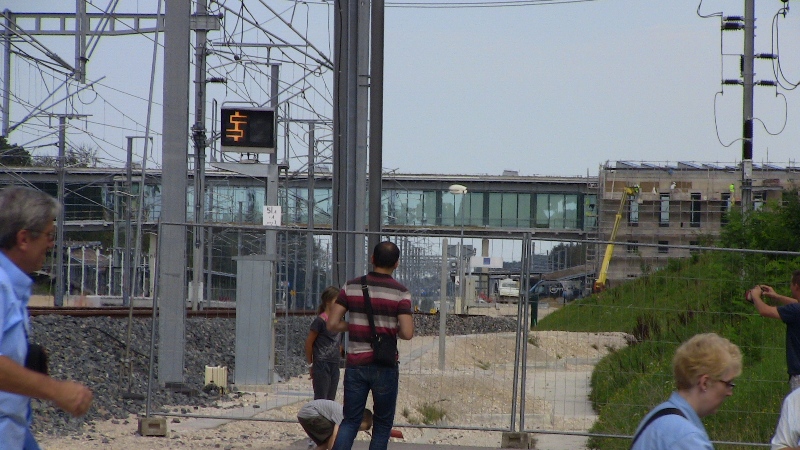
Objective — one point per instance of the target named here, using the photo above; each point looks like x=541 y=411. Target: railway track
x=120 y=311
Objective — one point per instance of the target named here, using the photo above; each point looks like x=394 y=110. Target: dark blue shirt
x=790 y=315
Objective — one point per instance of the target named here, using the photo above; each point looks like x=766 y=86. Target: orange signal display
x=236 y=122
x=248 y=130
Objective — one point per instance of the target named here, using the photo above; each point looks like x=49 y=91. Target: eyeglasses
x=728 y=383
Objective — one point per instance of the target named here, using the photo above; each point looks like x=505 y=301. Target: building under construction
x=678 y=205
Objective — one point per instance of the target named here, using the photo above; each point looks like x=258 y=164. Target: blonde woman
x=705 y=368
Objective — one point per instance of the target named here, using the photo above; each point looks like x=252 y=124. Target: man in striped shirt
x=391 y=306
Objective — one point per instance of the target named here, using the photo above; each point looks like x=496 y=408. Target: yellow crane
x=600 y=284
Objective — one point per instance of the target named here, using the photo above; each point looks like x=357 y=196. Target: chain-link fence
x=550 y=360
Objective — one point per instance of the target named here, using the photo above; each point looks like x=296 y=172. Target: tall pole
x=199 y=138
x=443 y=305
x=126 y=257
x=81 y=25
x=175 y=144
x=310 y=221
x=747 y=110
x=375 y=122
x=62 y=140
x=7 y=71
x=461 y=267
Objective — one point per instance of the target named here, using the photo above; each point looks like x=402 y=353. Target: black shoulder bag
x=659 y=413
x=384 y=346
x=37 y=358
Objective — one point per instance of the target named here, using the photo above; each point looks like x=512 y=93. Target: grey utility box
x=255 y=325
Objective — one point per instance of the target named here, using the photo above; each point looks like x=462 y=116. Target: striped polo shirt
x=389 y=299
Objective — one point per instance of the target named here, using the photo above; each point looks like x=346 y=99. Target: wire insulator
x=732 y=26
x=739 y=82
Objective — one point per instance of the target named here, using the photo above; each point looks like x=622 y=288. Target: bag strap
x=368 y=305
x=659 y=413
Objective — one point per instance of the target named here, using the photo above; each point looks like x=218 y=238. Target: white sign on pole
x=491 y=262
x=272 y=216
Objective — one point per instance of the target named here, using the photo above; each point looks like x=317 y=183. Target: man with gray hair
x=27 y=231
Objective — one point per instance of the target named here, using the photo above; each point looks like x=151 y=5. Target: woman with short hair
x=704 y=368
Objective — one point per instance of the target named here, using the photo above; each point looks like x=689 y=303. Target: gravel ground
x=92 y=351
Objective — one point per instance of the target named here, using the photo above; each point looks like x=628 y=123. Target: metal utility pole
x=175 y=142
x=310 y=221
x=375 y=123
x=349 y=146
x=58 y=296
x=81 y=26
x=7 y=70
x=199 y=139
x=747 y=109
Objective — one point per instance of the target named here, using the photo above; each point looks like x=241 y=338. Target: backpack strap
x=368 y=305
x=659 y=413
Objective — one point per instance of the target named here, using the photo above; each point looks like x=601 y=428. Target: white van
x=508 y=290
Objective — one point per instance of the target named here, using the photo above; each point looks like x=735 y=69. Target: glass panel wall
x=429 y=207
x=234 y=204
x=323 y=213
x=543 y=211
x=495 y=209
x=557 y=211
x=523 y=211
x=570 y=211
x=451 y=208
x=510 y=210
x=590 y=212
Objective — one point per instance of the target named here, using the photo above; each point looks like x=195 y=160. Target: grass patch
x=483 y=364
x=431 y=413
x=695 y=295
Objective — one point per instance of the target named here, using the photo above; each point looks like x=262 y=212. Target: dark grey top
x=326 y=346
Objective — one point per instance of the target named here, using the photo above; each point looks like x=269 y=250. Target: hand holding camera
x=748 y=295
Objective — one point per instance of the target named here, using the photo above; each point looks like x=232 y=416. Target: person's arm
x=332 y=439
x=769 y=292
x=763 y=309
x=312 y=336
x=336 y=322
x=70 y=396
x=405 y=326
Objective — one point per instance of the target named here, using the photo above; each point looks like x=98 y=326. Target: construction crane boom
x=600 y=283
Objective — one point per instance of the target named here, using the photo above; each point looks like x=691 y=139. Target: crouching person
x=321 y=418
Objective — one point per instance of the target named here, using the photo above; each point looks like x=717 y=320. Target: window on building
x=632 y=247
x=633 y=211
x=759 y=198
x=694 y=219
x=663 y=247
x=663 y=219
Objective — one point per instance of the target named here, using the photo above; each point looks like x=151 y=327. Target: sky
x=542 y=89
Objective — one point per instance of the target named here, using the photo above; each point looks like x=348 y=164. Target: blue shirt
x=673 y=432
x=15 y=291
x=790 y=315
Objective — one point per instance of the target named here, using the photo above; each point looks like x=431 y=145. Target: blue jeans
x=358 y=382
